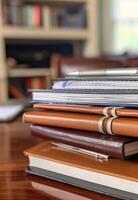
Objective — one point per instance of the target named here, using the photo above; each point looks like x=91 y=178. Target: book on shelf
x=15 y=92
x=68 y=16
x=17 y=13
x=74 y=17
x=111 y=177
x=32 y=15
x=17 y=88
x=35 y=15
x=14 y=13
x=46 y=17
x=36 y=82
x=56 y=16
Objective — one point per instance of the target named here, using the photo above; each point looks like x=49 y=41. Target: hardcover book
x=111 y=177
x=99 y=110
x=73 y=17
x=105 y=125
x=115 y=146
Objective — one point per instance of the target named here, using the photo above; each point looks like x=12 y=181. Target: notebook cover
x=127 y=98
x=117 y=126
x=83 y=91
x=91 y=78
x=104 y=144
x=81 y=103
x=108 y=111
x=125 y=169
x=78 y=183
x=95 y=85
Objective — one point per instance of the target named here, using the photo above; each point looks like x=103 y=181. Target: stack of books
x=36 y=14
x=89 y=122
x=16 y=13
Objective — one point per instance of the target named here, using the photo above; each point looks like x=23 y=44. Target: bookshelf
x=29 y=72
x=46 y=31
x=39 y=33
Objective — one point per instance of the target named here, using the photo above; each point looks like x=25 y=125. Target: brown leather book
x=107 y=111
x=114 y=173
x=96 y=123
x=115 y=146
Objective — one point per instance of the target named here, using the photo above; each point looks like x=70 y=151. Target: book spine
x=24 y=16
x=4 y=13
x=36 y=83
x=29 y=15
x=106 y=111
x=15 y=92
x=104 y=125
x=13 y=13
x=37 y=16
x=46 y=18
x=43 y=83
x=80 y=139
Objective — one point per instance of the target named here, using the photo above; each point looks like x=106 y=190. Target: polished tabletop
x=15 y=184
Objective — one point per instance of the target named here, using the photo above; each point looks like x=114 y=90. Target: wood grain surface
x=15 y=184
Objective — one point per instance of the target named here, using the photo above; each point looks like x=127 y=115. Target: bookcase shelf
x=40 y=33
x=29 y=72
x=84 y=39
x=57 y=1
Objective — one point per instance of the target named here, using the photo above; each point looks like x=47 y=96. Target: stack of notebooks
x=89 y=122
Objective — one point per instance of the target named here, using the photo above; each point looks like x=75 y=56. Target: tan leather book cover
x=70 y=108
x=126 y=169
x=108 y=111
x=107 y=125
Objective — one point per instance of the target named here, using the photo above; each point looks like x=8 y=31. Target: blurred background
x=45 y=39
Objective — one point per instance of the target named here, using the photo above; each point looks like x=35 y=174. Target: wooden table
x=15 y=184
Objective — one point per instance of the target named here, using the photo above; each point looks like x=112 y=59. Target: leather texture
x=61 y=66
x=121 y=112
x=133 y=61
x=105 y=144
x=126 y=169
x=119 y=126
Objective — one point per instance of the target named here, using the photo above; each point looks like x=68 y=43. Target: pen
x=98 y=156
x=106 y=72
